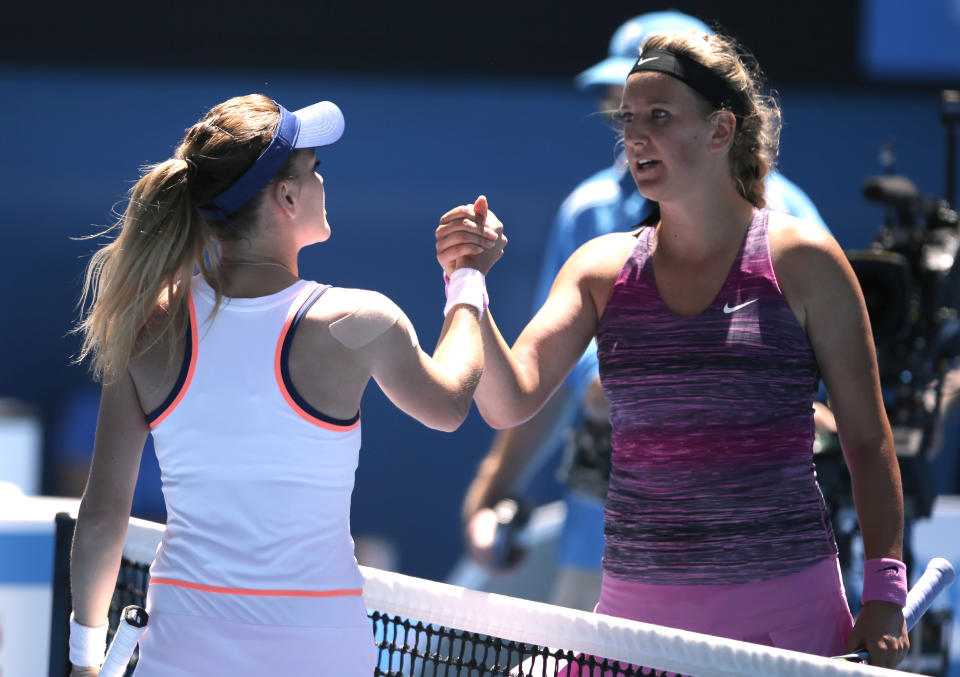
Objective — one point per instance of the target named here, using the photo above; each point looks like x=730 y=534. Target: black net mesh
x=410 y=648
x=131 y=589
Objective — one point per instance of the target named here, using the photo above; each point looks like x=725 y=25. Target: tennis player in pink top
x=250 y=380
x=713 y=322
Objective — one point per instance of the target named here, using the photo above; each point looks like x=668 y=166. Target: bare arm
x=436 y=390
x=517 y=381
x=835 y=319
x=513 y=450
x=105 y=508
x=517 y=453
x=823 y=290
x=514 y=457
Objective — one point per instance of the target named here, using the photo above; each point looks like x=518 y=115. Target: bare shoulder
x=812 y=270
x=589 y=274
x=341 y=301
x=155 y=363
x=801 y=250
x=357 y=317
x=156 y=326
x=606 y=245
x=603 y=255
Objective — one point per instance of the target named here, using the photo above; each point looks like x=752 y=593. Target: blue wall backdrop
x=74 y=139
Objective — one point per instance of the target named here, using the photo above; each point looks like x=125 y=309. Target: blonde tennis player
x=713 y=322
x=249 y=378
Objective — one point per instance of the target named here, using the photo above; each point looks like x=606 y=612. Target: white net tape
x=653 y=646
x=687 y=653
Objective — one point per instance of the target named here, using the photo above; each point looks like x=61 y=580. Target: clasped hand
x=470 y=236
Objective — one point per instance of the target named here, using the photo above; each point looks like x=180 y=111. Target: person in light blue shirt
x=606 y=202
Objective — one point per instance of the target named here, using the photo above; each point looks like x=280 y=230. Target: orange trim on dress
x=347 y=592
x=194 y=344
x=294 y=309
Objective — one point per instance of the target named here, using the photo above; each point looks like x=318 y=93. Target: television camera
x=910 y=279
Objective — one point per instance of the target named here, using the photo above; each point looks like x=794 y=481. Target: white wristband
x=466 y=285
x=87 y=644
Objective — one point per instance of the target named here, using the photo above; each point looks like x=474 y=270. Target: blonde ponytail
x=143 y=276
x=146 y=269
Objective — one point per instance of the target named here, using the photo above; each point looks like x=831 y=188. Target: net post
x=60 y=608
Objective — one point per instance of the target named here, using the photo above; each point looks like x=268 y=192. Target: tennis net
x=428 y=629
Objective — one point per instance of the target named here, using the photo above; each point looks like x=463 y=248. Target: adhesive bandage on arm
x=87 y=644
x=884 y=579
x=363 y=325
x=466 y=285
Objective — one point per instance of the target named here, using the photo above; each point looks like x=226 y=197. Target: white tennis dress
x=255 y=573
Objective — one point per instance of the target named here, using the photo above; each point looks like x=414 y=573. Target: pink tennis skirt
x=806 y=611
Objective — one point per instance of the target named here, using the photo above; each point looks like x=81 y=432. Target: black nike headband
x=695 y=75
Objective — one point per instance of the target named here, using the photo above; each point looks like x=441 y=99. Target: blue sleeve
x=607 y=202
x=584 y=372
x=561 y=243
x=786 y=196
x=586 y=213
x=571 y=229
x=579 y=219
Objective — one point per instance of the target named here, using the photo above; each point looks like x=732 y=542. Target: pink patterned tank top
x=712 y=477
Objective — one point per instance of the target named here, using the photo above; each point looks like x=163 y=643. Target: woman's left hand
x=882 y=631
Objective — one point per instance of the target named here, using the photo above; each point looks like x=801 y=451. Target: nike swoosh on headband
x=642 y=61
x=732 y=309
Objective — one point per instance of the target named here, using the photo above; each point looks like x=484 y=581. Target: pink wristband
x=884 y=579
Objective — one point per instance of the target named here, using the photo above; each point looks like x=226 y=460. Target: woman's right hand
x=470 y=236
